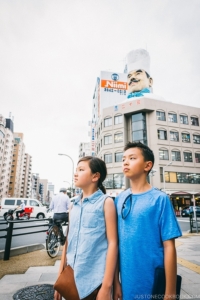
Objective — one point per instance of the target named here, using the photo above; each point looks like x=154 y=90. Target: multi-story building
x=50 y=192
x=84 y=149
x=26 y=178
x=6 y=152
x=17 y=171
x=171 y=130
x=43 y=189
x=35 y=180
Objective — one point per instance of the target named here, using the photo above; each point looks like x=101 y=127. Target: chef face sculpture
x=138 y=80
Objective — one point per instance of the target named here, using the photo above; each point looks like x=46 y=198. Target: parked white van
x=39 y=211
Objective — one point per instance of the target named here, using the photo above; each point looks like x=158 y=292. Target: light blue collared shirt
x=87 y=242
x=60 y=203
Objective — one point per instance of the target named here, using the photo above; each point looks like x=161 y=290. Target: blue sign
x=115 y=76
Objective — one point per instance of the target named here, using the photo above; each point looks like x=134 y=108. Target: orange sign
x=111 y=84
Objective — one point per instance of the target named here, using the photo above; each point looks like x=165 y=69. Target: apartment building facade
x=26 y=176
x=17 y=171
x=6 y=152
x=84 y=149
x=171 y=130
x=43 y=189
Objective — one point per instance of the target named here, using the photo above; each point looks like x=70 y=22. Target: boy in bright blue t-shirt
x=147 y=227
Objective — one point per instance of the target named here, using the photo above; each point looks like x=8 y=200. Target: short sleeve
x=169 y=227
x=51 y=205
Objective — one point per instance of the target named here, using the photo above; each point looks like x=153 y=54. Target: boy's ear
x=148 y=166
x=96 y=177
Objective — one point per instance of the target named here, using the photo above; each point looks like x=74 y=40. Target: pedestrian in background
x=92 y=238
x=147 y=227
x=60 y=205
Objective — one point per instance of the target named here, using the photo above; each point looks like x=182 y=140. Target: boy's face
x=134 y=165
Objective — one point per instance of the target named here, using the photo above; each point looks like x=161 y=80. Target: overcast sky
x=52 y=51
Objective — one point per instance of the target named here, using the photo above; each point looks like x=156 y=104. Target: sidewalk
x=188 y=259
x=188 y=252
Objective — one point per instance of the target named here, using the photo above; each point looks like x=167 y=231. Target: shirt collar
x=92 y=198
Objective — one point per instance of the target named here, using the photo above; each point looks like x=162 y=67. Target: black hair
x=148 y=76
x=97 y=165
x=145 y=150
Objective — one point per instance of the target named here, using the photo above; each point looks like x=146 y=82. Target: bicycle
x=55 y=237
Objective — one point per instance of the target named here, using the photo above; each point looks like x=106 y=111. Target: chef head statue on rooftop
x=139 y=79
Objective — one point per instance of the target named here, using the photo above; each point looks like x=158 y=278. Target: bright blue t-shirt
x=149 y=220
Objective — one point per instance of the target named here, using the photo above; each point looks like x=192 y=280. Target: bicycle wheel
x=52 y=243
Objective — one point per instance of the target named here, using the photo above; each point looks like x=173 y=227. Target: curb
x=23 y=250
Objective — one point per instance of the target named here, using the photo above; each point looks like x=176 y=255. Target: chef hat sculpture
x=138 y=59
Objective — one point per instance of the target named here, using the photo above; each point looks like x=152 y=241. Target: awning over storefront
x=181 y=194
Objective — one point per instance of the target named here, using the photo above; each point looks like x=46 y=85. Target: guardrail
x=194 y=223
x=10 y=234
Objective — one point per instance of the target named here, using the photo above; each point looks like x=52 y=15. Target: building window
x=163 y=154
x=196 y=139
x=118 y=137
x=185 y=137
x=118 y=119
x=197 y=157
x=108 y=158
x=139 y=132
x=192 y=178
x=187 y=156
x=108 y=182
x=172 y=117
x=174 y=136
x=176 y=156
x=118 y=180
x=184 y=119
x=194 y=121
x=107 y=139
x=118 y=156
x=162 y=134
x=160 y=115
x=107 y=122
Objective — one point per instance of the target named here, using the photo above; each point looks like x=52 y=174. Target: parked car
x=190 y=210
x=39 y=211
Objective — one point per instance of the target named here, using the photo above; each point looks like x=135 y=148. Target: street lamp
x=164 y=174
x=72 y=167
x=67 y=182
